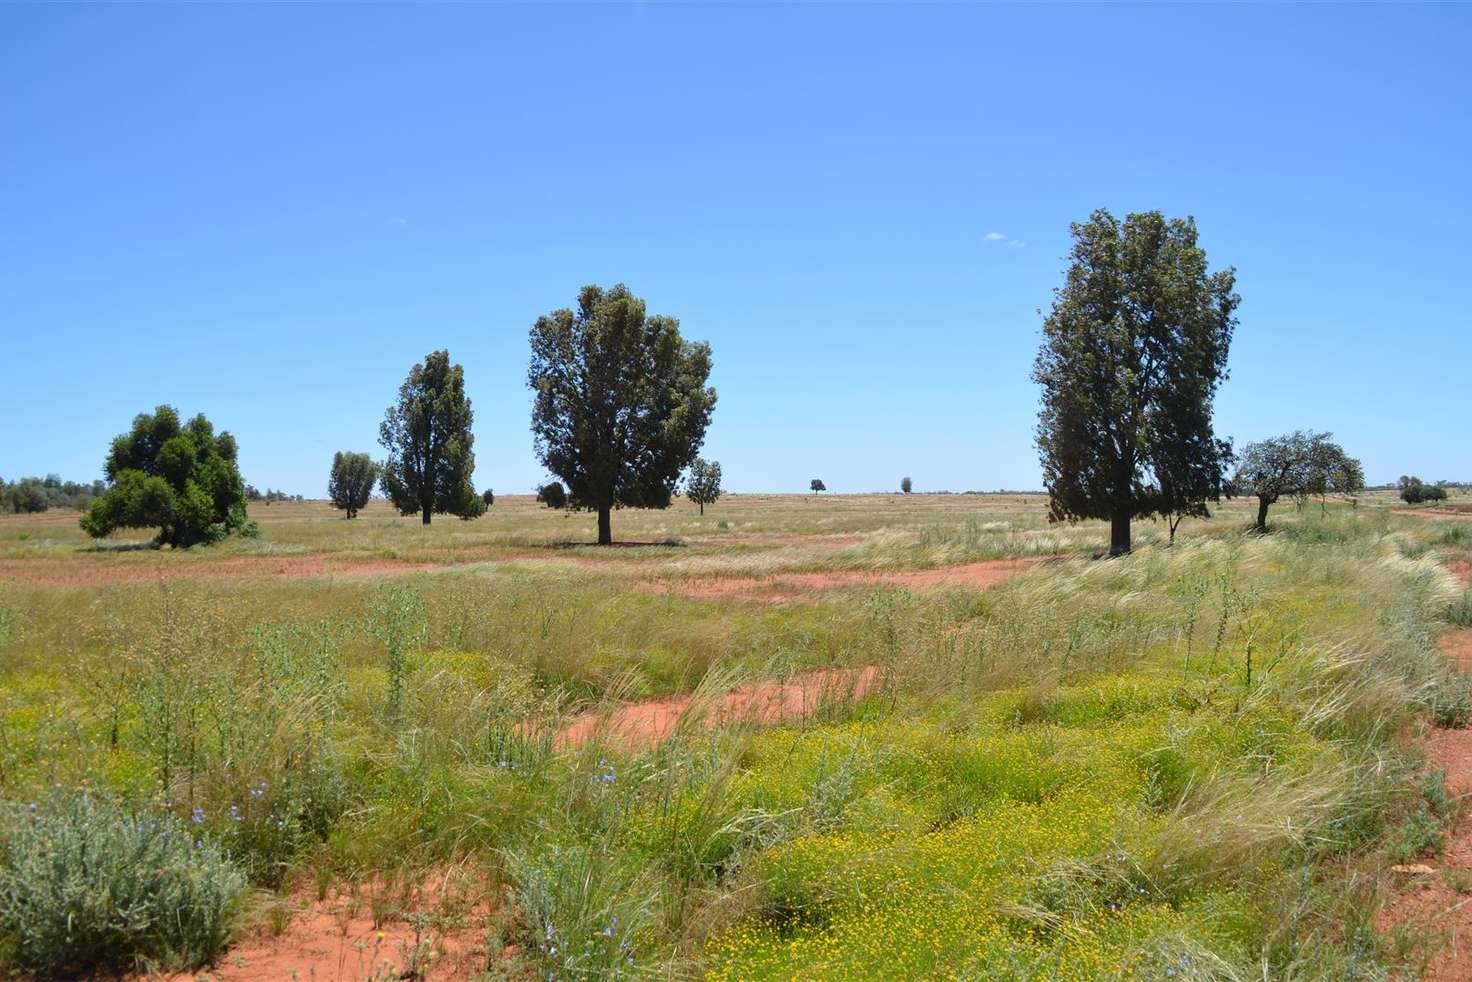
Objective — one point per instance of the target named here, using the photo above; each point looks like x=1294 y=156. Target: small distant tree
x=816 y=485
x=181 y=479
x=1296 y=465
x=473 y=509
x=906 y=486
x=427 y=436
x=350 y=484
x=488 y=496
x=552 y=494
x=704 y=484
x=1412 y=491
x=1347 y=479
x=620 y=404
x=1434 y=493
x=1133 y=351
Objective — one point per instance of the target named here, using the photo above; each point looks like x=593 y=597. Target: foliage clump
x=350 y=484
x=704 y=484
x=620 y=404
x=429 y=443
x=1133 y=351
x=552 y=494
x=88 y=887
x=180 y=479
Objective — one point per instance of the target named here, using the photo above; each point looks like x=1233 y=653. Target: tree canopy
x=816 y=485
x=704 y=483
x=620 y=403
x=1133 y=351
x=552 y=494
x=350 y=484
x=906 y=485
x=180 y=479
x=1296 y=465
x=427 y=436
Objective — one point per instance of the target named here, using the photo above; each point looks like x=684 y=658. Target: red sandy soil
x=1452 y=512
x=1427 y=899
x=58 y=572
x=788 y=586
x=640 y=724
x=1463 y=569
x=335 y=940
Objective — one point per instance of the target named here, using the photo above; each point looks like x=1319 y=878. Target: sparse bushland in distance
x=906 y=486
x=552 y=494
x=429 y=443
x=620 y=402
x=816 y=485
x=1413 y=491
x=179 y=479
x=29 y=495
x=703 y=486
x=1297 y=465
x=351 y=482
x=1133 y=351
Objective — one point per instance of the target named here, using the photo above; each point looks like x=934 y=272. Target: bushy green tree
x=906 y=485
x=1296 y=465
x=704 y=484
x=488 y=496
x=552 y=494
x=427 y=436
x=1133 y=351
x=350 y=484
x=180 y=479
x=816 y=485
x=620 y=403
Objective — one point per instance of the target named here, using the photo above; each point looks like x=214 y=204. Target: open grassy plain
x=960 y=746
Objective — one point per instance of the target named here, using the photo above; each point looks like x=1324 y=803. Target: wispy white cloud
x=398 y=221
x=995 y=236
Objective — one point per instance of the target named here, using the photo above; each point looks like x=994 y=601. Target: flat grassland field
x=816 y=737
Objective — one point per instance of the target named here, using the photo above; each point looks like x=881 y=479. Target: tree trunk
x=702 y=508
x=605 y=526
x=1119 y=532
x=1262 y=513
x=427 y=508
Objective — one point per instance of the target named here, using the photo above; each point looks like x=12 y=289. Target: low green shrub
x=88 y=887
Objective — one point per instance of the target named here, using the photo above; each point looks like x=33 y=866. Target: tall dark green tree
x=1133 y=351
x=427 y=436
x=180 y=479
x=620 y=403
x=350 y=484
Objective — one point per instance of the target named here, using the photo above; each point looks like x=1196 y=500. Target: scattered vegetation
x=1099 y=770
x=703 y=486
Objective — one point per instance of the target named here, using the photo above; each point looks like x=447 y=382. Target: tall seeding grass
x=1182 y=763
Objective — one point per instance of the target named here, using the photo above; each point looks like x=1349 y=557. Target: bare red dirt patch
x=1452 y=513
x=336 y=940
x=1429 y=900
x=1462 y=569
x=762 y=702
x=791 y=586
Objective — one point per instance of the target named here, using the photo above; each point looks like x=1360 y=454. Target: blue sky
x=270 y=212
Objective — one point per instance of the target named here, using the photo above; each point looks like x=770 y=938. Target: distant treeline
x=253 y=493
x=35 y=494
